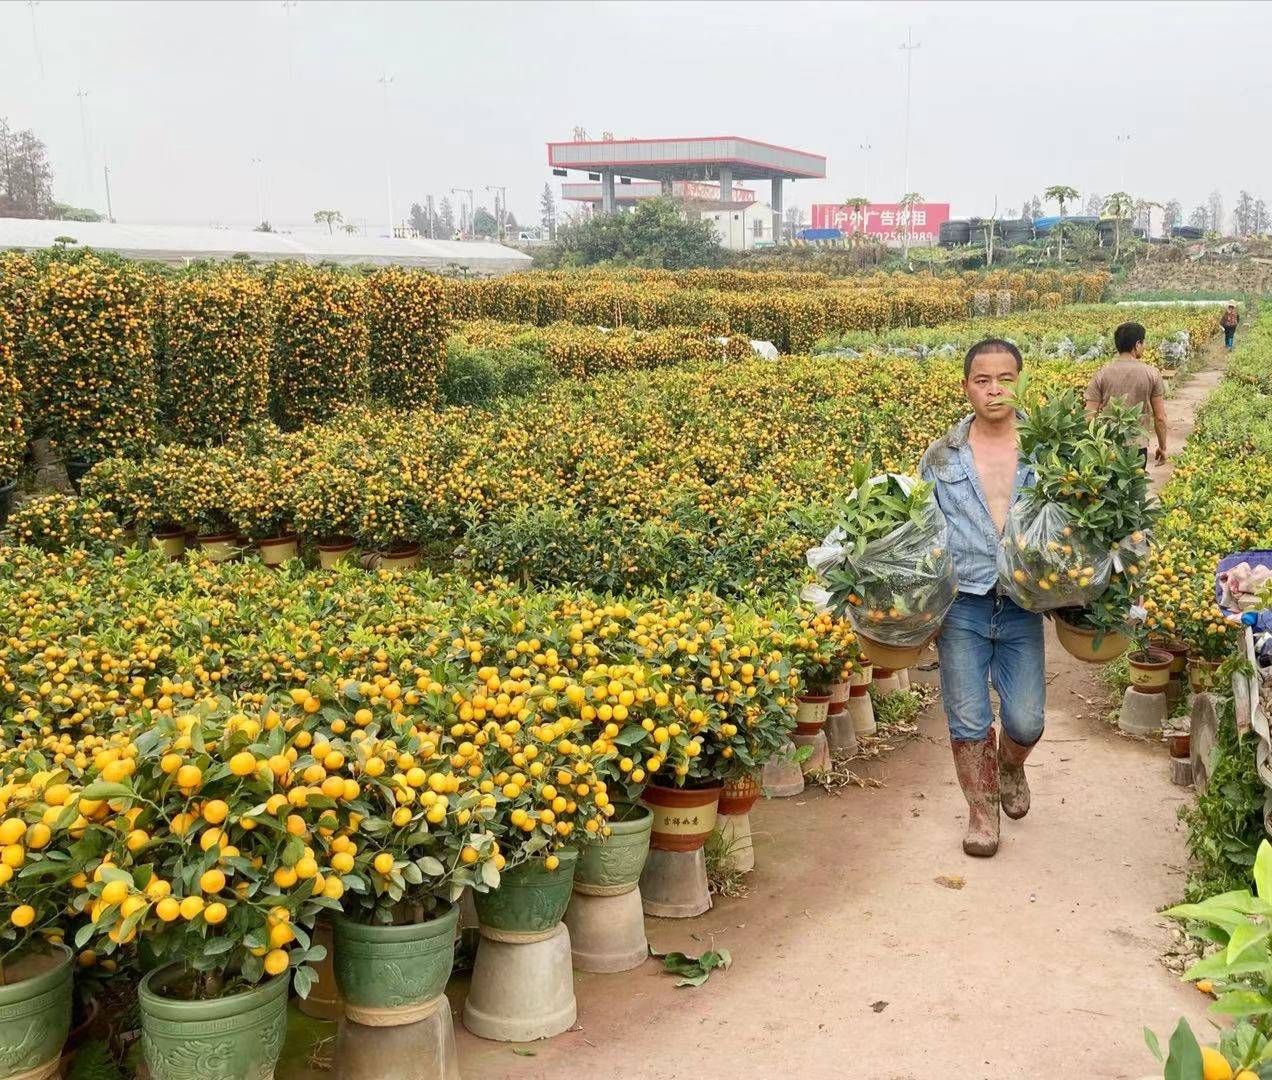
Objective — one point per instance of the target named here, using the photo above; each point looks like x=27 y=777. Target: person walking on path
x=978 y=475
x=1229 y=321
x=1134 y=382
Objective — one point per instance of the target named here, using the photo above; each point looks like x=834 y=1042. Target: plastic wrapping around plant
x=1044 y=563
x=895 y=585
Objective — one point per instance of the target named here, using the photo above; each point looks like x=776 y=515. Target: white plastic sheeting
x=178 y=244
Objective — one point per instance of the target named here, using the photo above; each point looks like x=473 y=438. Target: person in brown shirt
x=1134 y=382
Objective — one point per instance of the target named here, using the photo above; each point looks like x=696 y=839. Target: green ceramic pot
x=391 y=967
x=530 y=899
x=35 y=1011
x=238 y=1037
x=613 y=865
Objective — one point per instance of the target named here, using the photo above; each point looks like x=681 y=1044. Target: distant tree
x=418 y=218
x=1094 y=205
x=907 y=203
x=446 y=218
x=26 y=180
x=1061 y=194
x=510 y=222
x=548 y=212
x=350 y=229
x=484 y=223
x=264 y=226
x=1031 y=208
x=856 y=204
x=1199 y=219
x=1214 y=212
x=63 y=212
x=1243 y=223
x=1260 y=217
x=1119 y=206
x=655 y=234
x=330 y=218
x=1174 y=214
x=1140 y=214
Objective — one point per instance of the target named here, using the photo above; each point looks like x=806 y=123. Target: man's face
x=990 y=383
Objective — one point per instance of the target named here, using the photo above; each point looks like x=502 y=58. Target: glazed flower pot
x=226 y=1038
x=278 y=550
x=1201 y=673
x=1178 y=652
x=811 y=712
x=334 y=551
x=172 y=542
x=530 y=900
x=1150 y=670
x=885 y=681
x=838 y=698
x=892 y=657
x=391 y=975
x=738 y=796
x=1079 y=643
x=862 y=677
x=683 y=817
x=219 y=547
x=35 y=1014
x=612 y=866
x=6 y=500
x=400 y=558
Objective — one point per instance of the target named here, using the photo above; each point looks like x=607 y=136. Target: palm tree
x=907 y=204
x=331 y=218
x=1118 y=206
x=1060 y=193
x=856 y=204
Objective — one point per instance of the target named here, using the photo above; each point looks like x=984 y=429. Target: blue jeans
x=990 y=637
x=1228 y=334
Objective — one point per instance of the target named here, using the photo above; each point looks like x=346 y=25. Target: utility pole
x=110 y=213
x=1124 y=141
x=865 y=149
x=908 y=48
x=430 y=217
x=88 y=166
x=35 y=37
x=287 y=10
x=503 y=204
x=469 y=192
x=258 y=165
x=384 y=81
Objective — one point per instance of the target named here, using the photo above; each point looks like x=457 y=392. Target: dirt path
x=850 y=959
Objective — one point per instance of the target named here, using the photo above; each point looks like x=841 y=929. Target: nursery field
x=311 y=657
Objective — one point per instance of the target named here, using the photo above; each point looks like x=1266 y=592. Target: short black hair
x=1127 y=336
x=988 y=345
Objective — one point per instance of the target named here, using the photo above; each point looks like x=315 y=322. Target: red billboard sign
x=884 y=221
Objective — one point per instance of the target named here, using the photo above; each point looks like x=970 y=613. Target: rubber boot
x=1013 y=787
x=976 y=763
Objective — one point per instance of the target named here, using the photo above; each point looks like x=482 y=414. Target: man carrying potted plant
x=978 y=474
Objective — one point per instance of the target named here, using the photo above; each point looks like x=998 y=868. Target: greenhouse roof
x=183 y=243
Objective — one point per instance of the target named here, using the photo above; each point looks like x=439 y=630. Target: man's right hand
x=1159 y=458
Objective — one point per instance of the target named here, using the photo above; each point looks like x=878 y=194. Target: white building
x=742 y=226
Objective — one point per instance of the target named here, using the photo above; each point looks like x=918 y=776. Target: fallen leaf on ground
x=879 y=1006
x=523 y=1051
x=951 y=881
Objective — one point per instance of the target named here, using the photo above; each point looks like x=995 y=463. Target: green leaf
x=104 y=789
x=1239 y=1003
x=1245 y=937
x=1153 y=1045
x=490 y=874
x=1184 y=1062
x=1263 y=871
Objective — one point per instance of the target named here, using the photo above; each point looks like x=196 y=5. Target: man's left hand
x=1159 y=458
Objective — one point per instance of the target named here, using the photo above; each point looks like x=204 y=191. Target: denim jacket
x=974 y=538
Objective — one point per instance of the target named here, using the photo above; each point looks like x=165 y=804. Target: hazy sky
x=1007 y=97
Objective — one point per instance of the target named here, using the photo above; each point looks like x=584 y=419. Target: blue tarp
x=1046 y=224
x=820 y=234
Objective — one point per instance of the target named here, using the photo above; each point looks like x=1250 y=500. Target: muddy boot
x=977 y=766
x=1012 y=784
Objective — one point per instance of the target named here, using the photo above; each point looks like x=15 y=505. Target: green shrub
x=482 y=376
